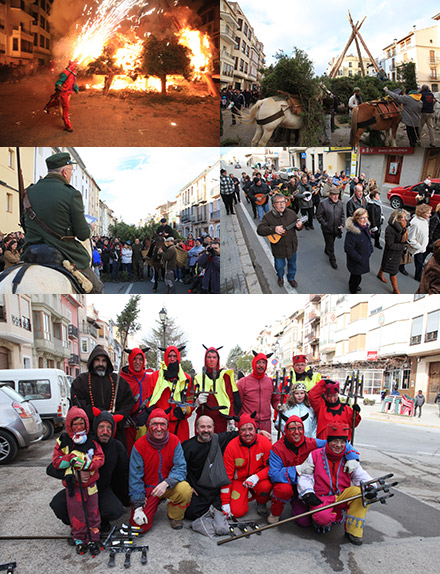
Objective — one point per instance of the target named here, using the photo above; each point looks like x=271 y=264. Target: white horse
x=37 y=280
x=274 y=112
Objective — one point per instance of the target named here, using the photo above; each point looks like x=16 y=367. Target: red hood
x=73 y=413
x=213 y=350
x=167 y=352
x=293 y=419
x=255 y=361
x=131 y=357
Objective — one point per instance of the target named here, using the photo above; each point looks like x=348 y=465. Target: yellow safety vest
x=221 y=395
x=162 y=384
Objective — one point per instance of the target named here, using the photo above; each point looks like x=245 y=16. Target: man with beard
x=287 y=453
x=206 y=443
x=256 y=392
x=158 y=471
x=171 y=382
x=137 y=378
x=218 y=392
x=326 y=478
x=97 y=388
x=246 y=461
x=324 y=398
x=113 y=476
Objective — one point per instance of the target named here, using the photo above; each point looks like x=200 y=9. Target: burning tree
x=162 y=58
x=105 y=65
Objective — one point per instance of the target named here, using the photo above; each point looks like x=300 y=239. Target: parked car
x=287 y=172
x=48 y=389
x=406 y=195
x=20 y=424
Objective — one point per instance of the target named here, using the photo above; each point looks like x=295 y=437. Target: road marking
x=129 y=288
x=365 y=445
x=430 y=453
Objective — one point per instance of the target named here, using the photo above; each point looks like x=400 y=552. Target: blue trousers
x=280 y=264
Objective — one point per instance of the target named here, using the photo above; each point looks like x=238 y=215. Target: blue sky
x=322 y=29
x=134 y=181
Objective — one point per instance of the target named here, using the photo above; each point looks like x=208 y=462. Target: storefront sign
x=386 y=150
x=371 y=355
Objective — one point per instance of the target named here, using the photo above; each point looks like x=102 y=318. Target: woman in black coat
x=374 y=208
x=358 y=248
x=396 y=236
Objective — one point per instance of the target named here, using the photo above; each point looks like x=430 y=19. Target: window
x=35 y=39
x=432 y=56
x=15 y=44
x=9 y=202
x=237 y=43
x=432 y=326
x=358 y=312
x=35 y=389
x=245 y=29
x=350 y=64
x=240 y=23
x=41 y=41
x=416 y=331
x=243 y=47
x=57 y=331
x=84 y=345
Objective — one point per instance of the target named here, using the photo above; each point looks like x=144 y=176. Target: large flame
x=200 y=48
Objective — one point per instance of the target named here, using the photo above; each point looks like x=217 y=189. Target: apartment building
x=16 y=336
x=9 y=195
x=351 y=66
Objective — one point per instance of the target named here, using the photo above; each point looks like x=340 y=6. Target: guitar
x=261 y=198
x=275 y=237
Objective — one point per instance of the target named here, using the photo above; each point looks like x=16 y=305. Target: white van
x=47 y=389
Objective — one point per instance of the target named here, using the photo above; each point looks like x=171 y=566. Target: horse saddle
x=386 y=107
x=41 y=253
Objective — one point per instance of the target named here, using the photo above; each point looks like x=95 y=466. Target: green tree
x=105 y=65
x=126 y=231
x=174 y=336
x=161 y=58
x=407 y=74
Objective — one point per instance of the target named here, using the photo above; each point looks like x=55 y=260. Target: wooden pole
x=373 y=61
x=359 y=56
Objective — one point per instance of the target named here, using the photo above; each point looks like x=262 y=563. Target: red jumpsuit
x=65 y=85
x=242 y=461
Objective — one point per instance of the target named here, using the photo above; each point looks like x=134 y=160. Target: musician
x=357 y=201
x=331 y=218
x=305 y=196
x=285 y=223
x=316 y=190
x=261 y=192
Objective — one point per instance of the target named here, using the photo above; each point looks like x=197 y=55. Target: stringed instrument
x=275 y=237
x=261 y=198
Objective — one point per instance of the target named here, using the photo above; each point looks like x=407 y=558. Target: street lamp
x=163 y=316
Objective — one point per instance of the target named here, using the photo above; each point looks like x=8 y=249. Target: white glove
x=374 y=229
x=202 y=399
x=226 y=509
x=305 y=468
x=351 y=465
x=251 y=481
x=139 y=516
x=231 y=426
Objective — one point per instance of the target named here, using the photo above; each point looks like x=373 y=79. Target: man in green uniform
x=54 y=220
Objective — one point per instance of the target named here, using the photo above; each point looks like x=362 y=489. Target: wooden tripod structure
x=356 y=36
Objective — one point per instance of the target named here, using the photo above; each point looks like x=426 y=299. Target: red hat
x=337 y=430
x=134 y=353
x=331 y=387
x=213 y=350
x=294 y=419
x=167 y=352
x=299 y=359
x=258 y=357
x=158 y=414
x=246 y=419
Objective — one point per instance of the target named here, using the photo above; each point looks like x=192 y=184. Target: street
x=314 y=272
x=242 y=133
x=399 y=536
x=133 y=119
x=140 y=287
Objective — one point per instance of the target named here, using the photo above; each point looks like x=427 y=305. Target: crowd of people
x=11 y=247
x=285 y=207
x=127 y=442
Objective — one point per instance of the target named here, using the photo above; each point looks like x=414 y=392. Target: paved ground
x=243 y=133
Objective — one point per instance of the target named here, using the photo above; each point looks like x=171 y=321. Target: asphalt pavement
x=314 y=272
x=398 y=537
x=141 y=287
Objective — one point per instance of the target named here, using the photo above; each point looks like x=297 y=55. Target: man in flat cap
x=54 y=220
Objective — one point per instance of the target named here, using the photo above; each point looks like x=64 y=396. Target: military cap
x=59 y=160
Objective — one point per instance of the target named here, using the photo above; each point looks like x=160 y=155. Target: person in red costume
x=324 y=398
x=256 y=392
x=218 y=394
x=171 y=382
x=137 y=377
x=246 y=461
x=64 y=87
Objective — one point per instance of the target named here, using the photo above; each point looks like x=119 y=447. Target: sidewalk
x=430 y=415
x=237 y=274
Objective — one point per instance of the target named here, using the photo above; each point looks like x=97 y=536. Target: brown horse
x=380 y=117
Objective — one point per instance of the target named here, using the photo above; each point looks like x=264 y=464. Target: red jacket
x=327 y=413
x=242 y=461
x=257 y=395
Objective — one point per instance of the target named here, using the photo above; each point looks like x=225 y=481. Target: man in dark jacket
x=97 y=389
x=331 y=219
x=305 y=198
x=427 y=115
x=260 y=188
x=113 y=476
x=283 y=222
x=210 y=261
x=356 y=201
x=55 y=220
x=137 y=261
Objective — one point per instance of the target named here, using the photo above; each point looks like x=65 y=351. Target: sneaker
x=273 y=519
x=81 y=547
x=262 y=509
x=176 y=524
x=94 y=548
x=354 y=539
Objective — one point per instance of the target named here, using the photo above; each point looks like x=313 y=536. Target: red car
x=406 y=195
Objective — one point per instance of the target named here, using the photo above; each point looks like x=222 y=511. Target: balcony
x=74 y=359
x=431 y=336
x=314 y=317
x=227 y=33
x=215 y=215
x=416 y=340
x=73 y=332
x=20 y=5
